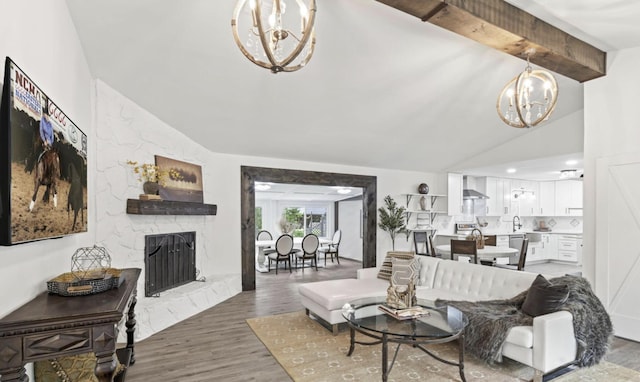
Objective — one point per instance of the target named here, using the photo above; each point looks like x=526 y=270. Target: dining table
x=489 y=253
x=262 y=265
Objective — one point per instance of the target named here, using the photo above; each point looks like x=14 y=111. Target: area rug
x=309 y=352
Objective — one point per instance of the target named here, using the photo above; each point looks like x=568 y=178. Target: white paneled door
x=350 y=222
x=617 y=258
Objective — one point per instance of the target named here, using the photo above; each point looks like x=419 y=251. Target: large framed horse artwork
x=43 y=164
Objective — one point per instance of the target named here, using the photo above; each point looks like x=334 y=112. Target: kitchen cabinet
x=454 y=194
x=498 y=190
x=568 y=247
x=502 y=241
x=546 y=199
x=524 y=194
x=568 y=198
x=550 y=246
x=535 y=252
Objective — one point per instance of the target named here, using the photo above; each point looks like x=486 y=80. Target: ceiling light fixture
x=511 y=170
x=344 y=191
x=568 y=174
x=270 y=41
x=262 y=186
x=529 y=98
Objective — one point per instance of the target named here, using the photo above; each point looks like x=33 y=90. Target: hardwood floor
x=217 y=344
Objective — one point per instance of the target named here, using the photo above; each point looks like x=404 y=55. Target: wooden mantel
x=167 y=207
x=502 y=26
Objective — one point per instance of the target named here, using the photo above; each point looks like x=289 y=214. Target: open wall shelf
x=166 y=207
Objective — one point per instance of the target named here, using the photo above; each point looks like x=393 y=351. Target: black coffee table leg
x=384 y=357
x=461 y=357
x=352 y=333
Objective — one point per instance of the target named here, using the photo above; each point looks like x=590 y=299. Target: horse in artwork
x=47 y=173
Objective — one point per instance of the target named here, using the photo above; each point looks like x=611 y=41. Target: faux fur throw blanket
x=490 y=321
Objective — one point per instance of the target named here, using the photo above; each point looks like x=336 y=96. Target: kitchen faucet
x=519 y=225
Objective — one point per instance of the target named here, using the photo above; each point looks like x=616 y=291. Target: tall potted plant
x=392 y=219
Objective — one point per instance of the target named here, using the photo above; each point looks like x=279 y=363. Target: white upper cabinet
x=568 y=198
x=524 y=197
x=546 y=199
x=498 y=190
x=454 y=194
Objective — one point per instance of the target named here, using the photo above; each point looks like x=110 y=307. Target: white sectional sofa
x=547 y=345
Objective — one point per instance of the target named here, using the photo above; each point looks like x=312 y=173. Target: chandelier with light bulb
x=528 y=99
x=268 y=37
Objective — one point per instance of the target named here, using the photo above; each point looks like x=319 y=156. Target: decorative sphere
x=423 y=188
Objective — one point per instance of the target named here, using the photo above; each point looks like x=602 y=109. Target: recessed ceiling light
x=344 y=191
x=511 y=170
x=262 y=186
x=571 y=162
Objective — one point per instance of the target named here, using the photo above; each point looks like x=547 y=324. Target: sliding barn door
x=617 y=257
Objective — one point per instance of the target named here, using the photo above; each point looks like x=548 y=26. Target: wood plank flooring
x=217 y=344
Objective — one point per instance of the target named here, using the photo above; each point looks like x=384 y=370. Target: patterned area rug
x=309 y=352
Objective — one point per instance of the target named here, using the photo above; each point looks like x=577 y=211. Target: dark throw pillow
x=544 y=297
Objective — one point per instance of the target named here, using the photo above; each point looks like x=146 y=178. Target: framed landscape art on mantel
x=43 y=164
x=188 y=185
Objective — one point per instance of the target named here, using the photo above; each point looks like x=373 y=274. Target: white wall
x=610 y=253
x=40 y=37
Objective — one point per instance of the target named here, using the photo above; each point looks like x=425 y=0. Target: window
x=300 y=221
x=258 y=219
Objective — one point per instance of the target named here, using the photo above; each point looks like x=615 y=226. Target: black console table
x=51 y=326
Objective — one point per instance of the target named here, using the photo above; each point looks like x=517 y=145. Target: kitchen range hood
x=473 y=194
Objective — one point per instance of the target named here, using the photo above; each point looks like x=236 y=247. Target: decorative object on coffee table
x=423 y=188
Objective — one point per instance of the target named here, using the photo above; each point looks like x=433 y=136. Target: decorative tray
x=67 y=284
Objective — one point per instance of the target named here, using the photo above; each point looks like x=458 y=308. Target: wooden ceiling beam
x=502 y=26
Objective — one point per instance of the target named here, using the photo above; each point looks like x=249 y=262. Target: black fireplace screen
x=170 y=261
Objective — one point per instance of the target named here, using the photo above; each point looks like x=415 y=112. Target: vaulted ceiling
x=383 y=89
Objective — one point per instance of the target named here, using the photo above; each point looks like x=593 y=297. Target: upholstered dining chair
x=265 y=235
x=332 y=248
x=521 y=259
x=466 y=248
x=421 y=243
x=284 y=246
x=309 y=251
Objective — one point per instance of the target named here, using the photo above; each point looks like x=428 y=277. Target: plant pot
x=151 y=188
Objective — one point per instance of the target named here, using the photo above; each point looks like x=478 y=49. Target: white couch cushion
x=333 y=294
x=521 y=336
x=428 y=267
x=480 y=282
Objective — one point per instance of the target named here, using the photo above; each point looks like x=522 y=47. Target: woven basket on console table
x=68 y=285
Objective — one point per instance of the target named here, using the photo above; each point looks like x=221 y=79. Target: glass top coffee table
x=440 y=325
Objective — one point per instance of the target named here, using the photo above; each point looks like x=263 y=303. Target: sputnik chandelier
x=529 y=98
x=266 y=35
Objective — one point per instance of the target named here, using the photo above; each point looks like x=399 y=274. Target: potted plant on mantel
x=392 y=219
x=152 y=177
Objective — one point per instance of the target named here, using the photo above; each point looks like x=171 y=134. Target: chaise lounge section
x=547 y=345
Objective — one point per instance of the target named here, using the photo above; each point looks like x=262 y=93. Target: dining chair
x=332 y=248
x=421 y=243
x=464 y=247
x=431 y=247
x=521 y=259
x=490 y=240
x=309 y=251
x=284 y=246
x=265 y=235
